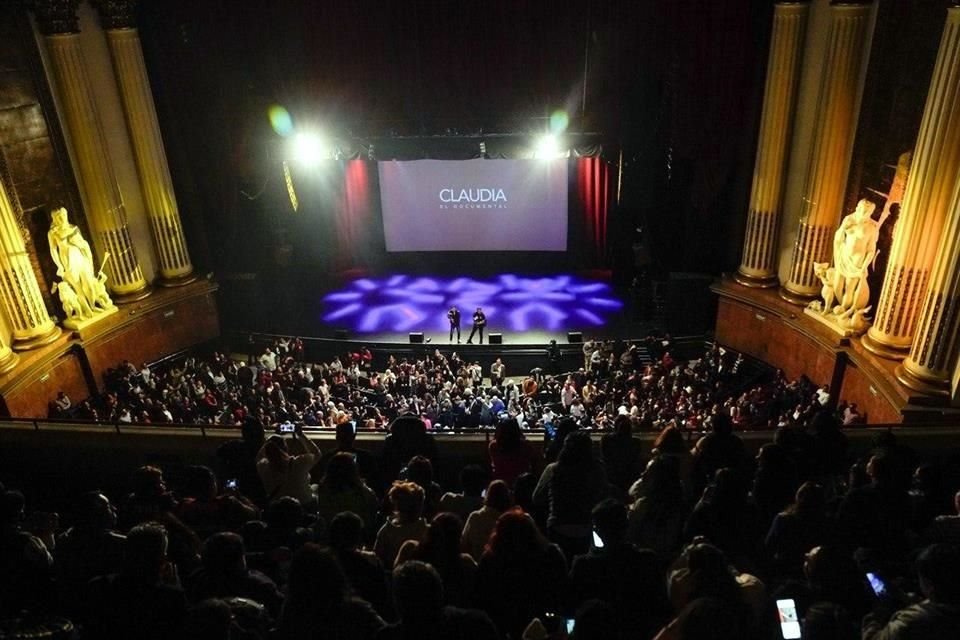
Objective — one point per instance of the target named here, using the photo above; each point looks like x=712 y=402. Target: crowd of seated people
x=676 y=541
x=450 y=393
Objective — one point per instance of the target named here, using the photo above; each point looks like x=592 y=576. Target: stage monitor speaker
x=416 y=338
x=340 y=334
x=495 y=338
x=574 y=337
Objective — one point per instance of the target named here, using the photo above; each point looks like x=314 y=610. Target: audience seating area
x=544 y=536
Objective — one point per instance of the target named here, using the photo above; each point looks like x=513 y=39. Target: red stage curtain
x=354 y=214
x=593 y=201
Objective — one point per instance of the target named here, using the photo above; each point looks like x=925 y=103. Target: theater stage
x=522 y=309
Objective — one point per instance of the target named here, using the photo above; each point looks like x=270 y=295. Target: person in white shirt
x=497 y=372
x=284 y=467
x=823 y=395
x=268 y=360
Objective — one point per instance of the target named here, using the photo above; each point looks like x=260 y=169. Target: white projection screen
x=474 y=205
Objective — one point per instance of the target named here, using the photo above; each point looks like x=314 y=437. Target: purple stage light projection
x=403 y=303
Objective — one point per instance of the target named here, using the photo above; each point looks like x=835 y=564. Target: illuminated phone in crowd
x=570 y=623
x=878 y=586
x=231 y=483
x=597 y=540
x=287 y=427
x=789 y=621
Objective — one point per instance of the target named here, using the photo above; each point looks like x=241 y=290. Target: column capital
x=117 y=14
x=56 y=16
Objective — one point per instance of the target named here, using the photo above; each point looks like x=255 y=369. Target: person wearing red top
x=511 y=455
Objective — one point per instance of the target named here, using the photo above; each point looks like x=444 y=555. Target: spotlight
x=547 y=147
x=309 y=148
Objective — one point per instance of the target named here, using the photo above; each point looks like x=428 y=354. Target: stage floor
x=524 y=309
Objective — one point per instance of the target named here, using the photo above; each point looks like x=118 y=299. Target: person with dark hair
x=479 y=323
x=480 y=523
x=704 y=572
x=565 y=426
x=224 y=574
x=26 y=567
x=91 y=547
x=440 y=548
x=521 y=575
x=510 y=453
x=877 y=516
x=630 y=580
x=725 y=517
x=406 y=522
x=363 y=568
x=143 y=600
x=568 y=489
x=774 y=482
x=319 y=604
x=802 y=526
x=659 y=510
x=671 y=444
x=719 y=449
x=342 y=489
x=622 y=453
x=418 y=596
x=453 y=315
x=420 y=470
x=240 y=458
x=284 y=467
x=937 y=616
x=207 y=511
x=151 y=501
x=346 y=437
x=473 y=480
x=408 y=437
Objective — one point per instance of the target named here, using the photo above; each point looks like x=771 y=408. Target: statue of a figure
x=85 y=292
x=846 y=292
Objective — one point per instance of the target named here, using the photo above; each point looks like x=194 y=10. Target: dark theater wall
x=34 y=165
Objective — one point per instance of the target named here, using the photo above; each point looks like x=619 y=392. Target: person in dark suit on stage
x=479 y=322
x=453 y=315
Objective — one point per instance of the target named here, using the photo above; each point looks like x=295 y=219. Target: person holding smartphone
x=936 y=616
x=284 y=464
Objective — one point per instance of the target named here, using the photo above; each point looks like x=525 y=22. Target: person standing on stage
x=454 y=317
x=479 y=322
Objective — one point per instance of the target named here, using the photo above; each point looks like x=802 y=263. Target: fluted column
x=933 y=174
x=117 y=17
x=8 y=359
x=19 y=292
x=933 y=354
x=833 y=132
x=757 y=266
x=105 y=210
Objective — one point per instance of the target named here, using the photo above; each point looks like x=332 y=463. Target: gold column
x=933 y=356
x=933 y=174
x=8 y=359
x=833 y=131
x=118 y=18
x=105 y=210
x=19 y=292
x=757 y=266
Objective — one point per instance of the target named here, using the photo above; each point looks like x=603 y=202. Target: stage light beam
x=309 y=148
x=547 y=147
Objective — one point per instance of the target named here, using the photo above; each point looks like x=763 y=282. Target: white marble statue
x=82 y=291
x=846 y=292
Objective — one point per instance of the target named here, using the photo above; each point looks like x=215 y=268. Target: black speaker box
x=340 y=334
x=495 y=338
x=574 y=337
x=416 y=338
